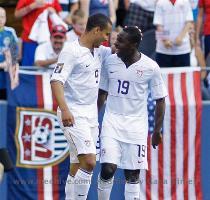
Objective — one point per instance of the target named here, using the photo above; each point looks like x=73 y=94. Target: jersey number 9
x=96 y=75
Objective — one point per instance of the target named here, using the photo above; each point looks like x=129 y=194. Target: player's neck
x=86 y=41
x=129 y=60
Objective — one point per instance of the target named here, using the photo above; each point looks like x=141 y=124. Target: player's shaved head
x=98 y=20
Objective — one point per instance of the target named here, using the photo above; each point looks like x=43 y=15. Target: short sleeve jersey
x=79 y=71
x=128 y=88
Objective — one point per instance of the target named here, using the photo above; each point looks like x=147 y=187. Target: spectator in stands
x=197 y=59
x=68 y=7
x=46 y=54
x=140 y=13
x=78 y=25
x=121 y=12
x=106 y=7
x=203 y=16
x=194 y=5
x=173 y=19
x=8 y=51
x=29 y=10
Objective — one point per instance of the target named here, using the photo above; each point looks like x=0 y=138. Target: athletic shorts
x=124 y=155
x=82 y=137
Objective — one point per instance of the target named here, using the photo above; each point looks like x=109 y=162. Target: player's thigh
x=110 y=150
x=79 y=137
x=67 y=133
x=134 y=156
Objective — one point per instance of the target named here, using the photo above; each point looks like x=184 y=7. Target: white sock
x=104 y=188
x=82 y=182
x=132 y=191
x=69 y=189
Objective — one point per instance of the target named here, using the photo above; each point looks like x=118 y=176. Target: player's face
x=123 y=46
x=102 y=35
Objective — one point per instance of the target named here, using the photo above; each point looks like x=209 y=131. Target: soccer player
x=75 y=83
x=127 y=77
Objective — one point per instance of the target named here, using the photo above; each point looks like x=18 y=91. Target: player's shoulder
x=148 y=61
x=72 y=48
x=113 y=59
x=104 y=51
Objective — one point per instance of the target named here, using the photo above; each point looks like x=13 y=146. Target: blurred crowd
x=176 y=33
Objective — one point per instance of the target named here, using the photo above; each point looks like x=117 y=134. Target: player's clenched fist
x=67 y=118
x=156 y=139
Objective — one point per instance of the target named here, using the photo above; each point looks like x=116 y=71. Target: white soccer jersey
x=126 y=107
x=79 y=71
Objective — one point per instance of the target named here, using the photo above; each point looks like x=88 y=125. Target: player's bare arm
x=159 y=116
x=58 y=92
x=102 y=96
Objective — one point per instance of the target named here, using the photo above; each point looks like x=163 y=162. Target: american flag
x=174 y=168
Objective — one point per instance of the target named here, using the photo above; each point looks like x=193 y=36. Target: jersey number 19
x=123 y=87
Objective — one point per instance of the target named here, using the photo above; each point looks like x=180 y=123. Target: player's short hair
x=98 y=20
x=134 y=34
x=76 y=15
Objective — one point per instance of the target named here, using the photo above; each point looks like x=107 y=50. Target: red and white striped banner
x=174 y=168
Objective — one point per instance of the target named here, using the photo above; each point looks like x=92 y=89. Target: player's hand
x=67 y=118
x=156 y=139
x=178 y=41
x=168 y=43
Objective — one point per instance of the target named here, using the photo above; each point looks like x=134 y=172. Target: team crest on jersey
x=39 y=138
x=103 y=151
x=58 y=68
x=87 y=143
x=139 y=72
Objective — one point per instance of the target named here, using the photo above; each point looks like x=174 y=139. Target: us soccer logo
x=39 y=138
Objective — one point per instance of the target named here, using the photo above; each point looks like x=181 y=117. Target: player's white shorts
x=124 y=155
x=82 y=137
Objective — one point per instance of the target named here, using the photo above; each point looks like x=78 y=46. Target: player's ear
x=96 y=30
